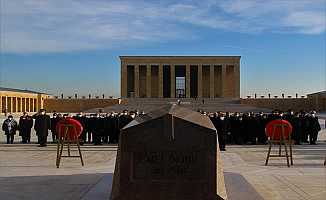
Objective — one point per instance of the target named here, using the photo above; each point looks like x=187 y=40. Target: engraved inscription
x=169 y=165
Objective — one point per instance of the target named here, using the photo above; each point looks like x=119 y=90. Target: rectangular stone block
x=168 y=154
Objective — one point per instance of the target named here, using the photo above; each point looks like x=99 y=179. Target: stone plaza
x=29 y=172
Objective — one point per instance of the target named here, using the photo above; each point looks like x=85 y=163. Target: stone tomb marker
x=168 y=154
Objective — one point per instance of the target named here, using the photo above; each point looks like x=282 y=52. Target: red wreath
x=74 y=131
x=278 y=129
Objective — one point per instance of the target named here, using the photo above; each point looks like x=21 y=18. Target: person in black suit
x=296 y=128
x=54 y=120
x=314 y=128
x=25 y=126
x=222 y=126
x=261 y=121
x=42 y=126
x=82 y=119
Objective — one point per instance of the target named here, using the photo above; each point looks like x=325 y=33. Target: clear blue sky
x=72 y=46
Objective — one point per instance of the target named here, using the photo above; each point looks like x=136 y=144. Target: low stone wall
x=77 y=105
x=285 y=104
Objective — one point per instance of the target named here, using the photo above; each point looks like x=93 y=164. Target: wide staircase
x=204 y=104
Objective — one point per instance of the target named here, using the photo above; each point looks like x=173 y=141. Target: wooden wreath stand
x=281 y=141
x=65 y=139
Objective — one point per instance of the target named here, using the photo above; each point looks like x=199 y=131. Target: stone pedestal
x=169 y=154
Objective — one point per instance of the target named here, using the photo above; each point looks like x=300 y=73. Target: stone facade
x=315 y=101
x=319 y=100
x=282 y=104
x=180 y=76
x=77 y=105
x=15 y=100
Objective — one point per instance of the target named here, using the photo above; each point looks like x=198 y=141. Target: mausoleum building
x=180 y=76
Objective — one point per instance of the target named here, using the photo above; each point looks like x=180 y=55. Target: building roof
x=175 y=111
x=180 y=56
x=3 y=89
x=318 y=93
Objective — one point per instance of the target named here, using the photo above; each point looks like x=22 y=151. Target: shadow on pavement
x=57 y=187
x=238 y=188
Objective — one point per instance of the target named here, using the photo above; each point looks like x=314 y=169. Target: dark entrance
x=180 y=81
x=166 y=81
x=130 y=81
x=193 y=81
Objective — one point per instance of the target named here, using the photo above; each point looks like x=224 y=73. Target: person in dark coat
x=42 y=127
x=296 y=128
x=96 y=127
x=236 y=128
x=91 y=121
x=115 y=128
x=261 y=121
x=314 y=128
x=54 y=120
x=305 y=126
x=108 y=128
x=249 y=128
x=222 y=126
x=10 y=126
x=25 y=126
x=81 y=118
x=253 y=128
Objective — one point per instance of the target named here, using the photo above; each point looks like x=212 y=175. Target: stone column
x=211 y=81
x=1 y=108
x=11 y=104
x=29 y=104
x=21 y=104
x=32 y=106
x=24 y=107
x=160 y=81
x=172 y=70
x=236 y=80
x=224 y=84
x=16 y=104
x=136 y=78
x=6 y=104
x=37 y=106
x=200 y=81
x=148 y=81
x=123 y=80
x=188 y=81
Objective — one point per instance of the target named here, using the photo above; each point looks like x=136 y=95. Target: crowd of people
x=99 y=128
x=249 y=128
